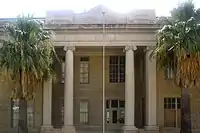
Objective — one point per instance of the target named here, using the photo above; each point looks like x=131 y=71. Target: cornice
x=106 y=43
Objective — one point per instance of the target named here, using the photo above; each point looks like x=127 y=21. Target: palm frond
x=178 y=43
x=27 y=47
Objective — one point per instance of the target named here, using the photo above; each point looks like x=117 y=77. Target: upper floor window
x=84 y=70
x=117 y=69
x=169 y=71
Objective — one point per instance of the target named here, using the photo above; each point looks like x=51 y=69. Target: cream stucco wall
x=87 y=43
x=93 y=91
x=5 y=107
x=165 y=88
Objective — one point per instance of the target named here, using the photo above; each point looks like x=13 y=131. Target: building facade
x=138 y=98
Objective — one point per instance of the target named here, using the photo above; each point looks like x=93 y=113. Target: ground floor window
x=172 y=111
x=84 y=112
x=15 y=113
x=115 y=111
x=62 y=110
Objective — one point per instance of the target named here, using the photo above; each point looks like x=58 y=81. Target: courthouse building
x=138 y=98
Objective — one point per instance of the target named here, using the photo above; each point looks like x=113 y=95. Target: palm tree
x=26 y=58
x=178 y=46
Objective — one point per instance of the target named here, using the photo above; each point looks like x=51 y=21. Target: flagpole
x=103 y=82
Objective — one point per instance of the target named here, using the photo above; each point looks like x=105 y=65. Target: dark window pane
x=165 y=100
x=114 y=116
x=113 y=59
x=169 y=100
x=122 y=59
x=178 y=100
x=178 y=106
x=165 y=106
x=173 y=100
x=122 y=78
x=85 y=58
x=122 y=69
x=107 y=103
x=114 y=103
x=173 y=105
x=169 y=106
x=122 y=104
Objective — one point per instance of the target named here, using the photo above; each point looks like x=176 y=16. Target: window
x=62 y=110
x=172 y=111
x=15 y=113
x=30 y=114
x=117 y=69
x=63 y=72
x=84 y=112
x=169 y=72
x=115 y=111
x=84 y=70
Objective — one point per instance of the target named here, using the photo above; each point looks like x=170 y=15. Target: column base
x=46 y=129
x=129 y=129
x=151 y=128
x=68 y=129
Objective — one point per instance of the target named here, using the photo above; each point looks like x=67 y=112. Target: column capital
x=130 y=47
x=71 y=48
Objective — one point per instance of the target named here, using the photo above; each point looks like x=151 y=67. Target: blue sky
x=12 y=8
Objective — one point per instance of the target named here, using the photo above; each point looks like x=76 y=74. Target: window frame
x=119 y=66
x=32 y=103
x=61 y=110
x=33 y=111
x=63 y=72
x=109 y=110
x=172 y=103
x=83 y=122
x=169 y=72
x=81 y=74
x=12 y=113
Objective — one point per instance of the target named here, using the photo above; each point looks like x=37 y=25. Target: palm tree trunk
x=22 y=109
x=186 y=125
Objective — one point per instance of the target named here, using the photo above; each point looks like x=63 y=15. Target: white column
x=130 y=91
x=68 y=90
x=47 y=102
x=151 y=93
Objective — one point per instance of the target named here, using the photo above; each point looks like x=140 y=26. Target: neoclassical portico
x=129 y=125
x=142 y=98
x=128 y=32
